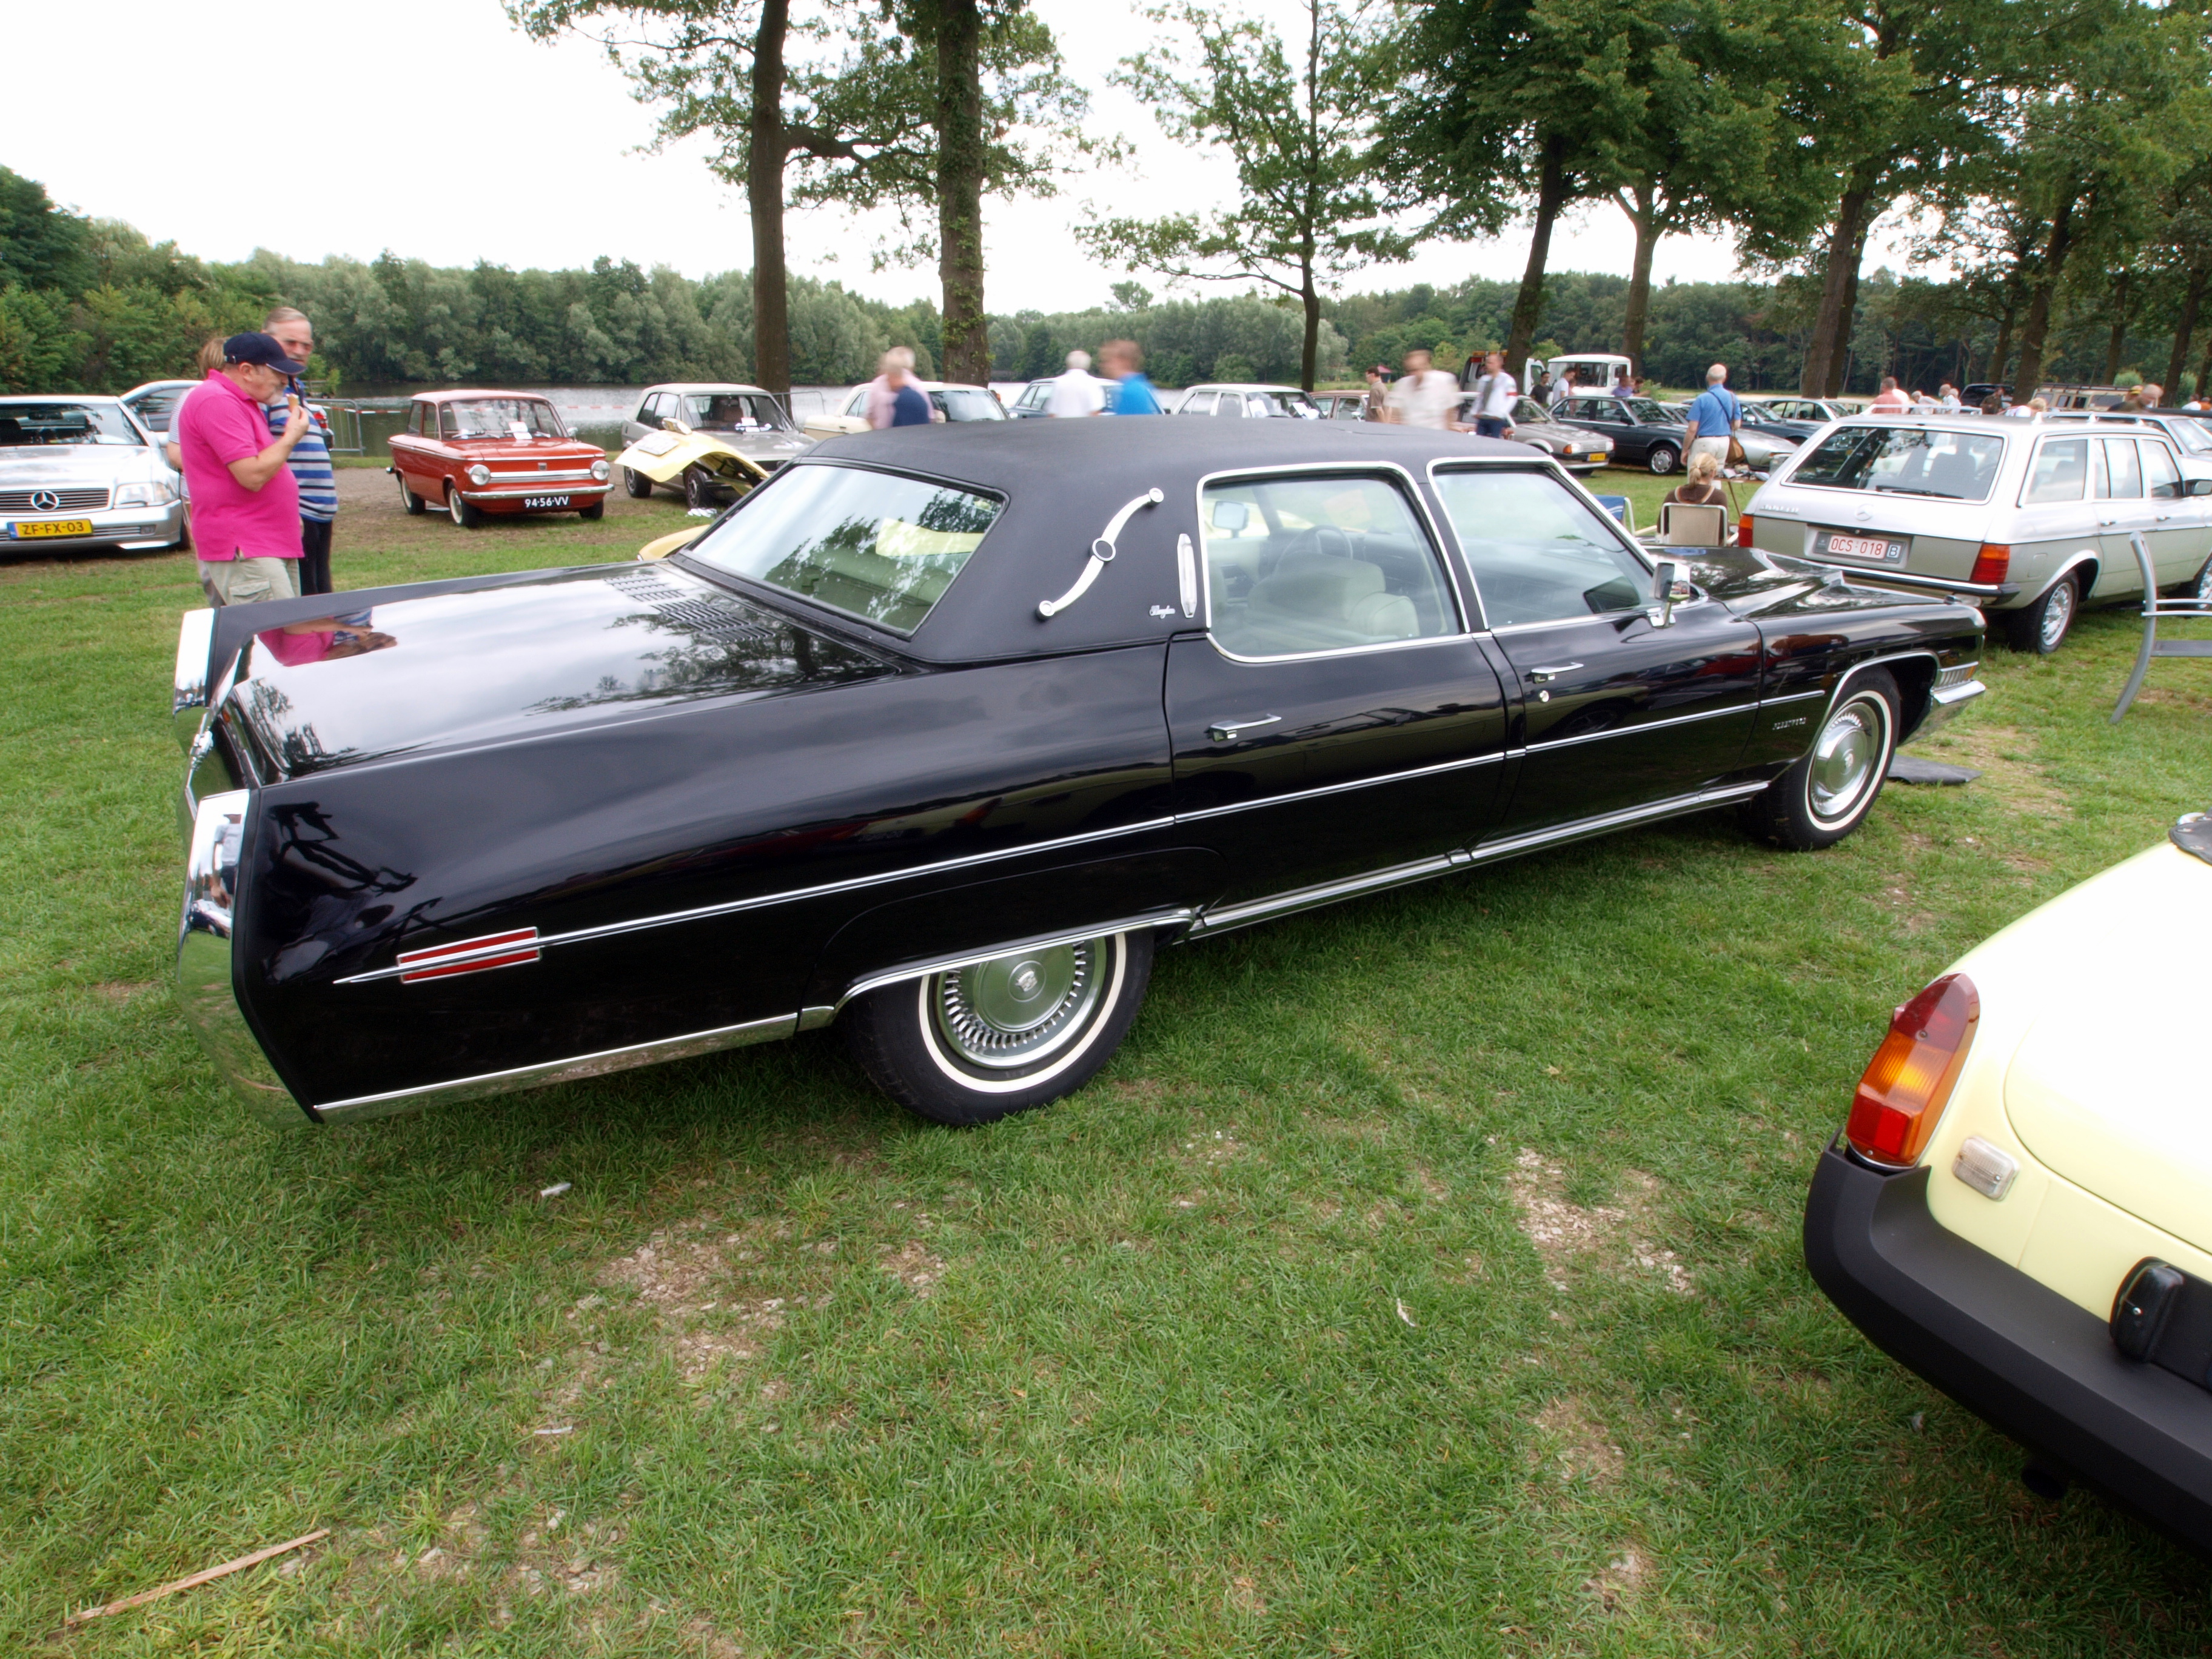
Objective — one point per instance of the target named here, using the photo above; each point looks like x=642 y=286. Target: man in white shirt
x=1494 y=394
x=1946 y=399
x=1563 y=388
x=1423 y=396
x=1077 y=392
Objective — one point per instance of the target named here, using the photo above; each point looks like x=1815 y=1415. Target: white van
x=1595 y=371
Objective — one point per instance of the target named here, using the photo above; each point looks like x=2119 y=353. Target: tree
x=1300 y=130
x=1491 y=115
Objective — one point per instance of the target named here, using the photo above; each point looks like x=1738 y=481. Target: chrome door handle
x=1226 y=730
x=1553 y=672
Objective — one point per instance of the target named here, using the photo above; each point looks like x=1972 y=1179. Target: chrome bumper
x=1945 y=702
x=112 y=526
x=204 y=988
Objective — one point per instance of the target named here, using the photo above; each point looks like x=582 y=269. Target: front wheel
x=698 y=493
x=2203 y=591
x=1662 y=459
x=636 y=484
x=977 y=1043
x=594 y=512
x=1829 y=793
x=2042 y=628
x=463 y=513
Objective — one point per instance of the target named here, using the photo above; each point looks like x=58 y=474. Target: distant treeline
x=91 y=304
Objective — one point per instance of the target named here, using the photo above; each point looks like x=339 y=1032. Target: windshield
x=1650 y=411
x=1899 y=460
x=22 y=425
x=871 y=545
x=501 y=417
x=1526 y=412
x=1286 y=403
x=732 y=411
x=964 y=404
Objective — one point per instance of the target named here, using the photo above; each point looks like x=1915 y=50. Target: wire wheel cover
x=1846 y=759
x=1016 y=1008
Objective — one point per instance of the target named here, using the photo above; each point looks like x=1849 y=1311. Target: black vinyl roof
x=1063 y=481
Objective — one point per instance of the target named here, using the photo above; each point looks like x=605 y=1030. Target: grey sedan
x=79 y=472
x=1576 y=450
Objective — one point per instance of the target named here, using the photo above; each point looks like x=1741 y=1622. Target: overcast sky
x=433 y=128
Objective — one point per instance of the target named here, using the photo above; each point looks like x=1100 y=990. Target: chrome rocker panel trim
x=361 y=1107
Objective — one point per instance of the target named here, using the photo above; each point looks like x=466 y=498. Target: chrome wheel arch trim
x=817 y=1015
x=1065 y=1054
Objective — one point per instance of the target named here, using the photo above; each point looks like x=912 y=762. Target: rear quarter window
x=1904 y=460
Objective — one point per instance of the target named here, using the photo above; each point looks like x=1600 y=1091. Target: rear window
x=1903 y=460
x=964 y=404
x=871 y=544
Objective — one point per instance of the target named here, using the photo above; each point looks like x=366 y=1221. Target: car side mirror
x=1670 y=586
x=1233 y=516
x=2200 y=486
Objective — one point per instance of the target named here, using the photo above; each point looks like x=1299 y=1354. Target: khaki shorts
x=247 y=582
x=1716 y=447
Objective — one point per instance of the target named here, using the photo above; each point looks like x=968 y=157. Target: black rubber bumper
x=2011 y=1351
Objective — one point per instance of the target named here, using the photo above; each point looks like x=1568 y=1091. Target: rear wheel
x=463 y=513
x=698 y=493
x=2042 y=628
x=636 y=484
x=1829 y=793
x=977 y=1043
x=1662 y=459
x=408 y=498
x=2204 y=588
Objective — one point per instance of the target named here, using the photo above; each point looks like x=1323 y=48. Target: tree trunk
x=2038 y=327
x=1528 y=304
x=1832 y=332
x=765 y=151
x=1839 y=364
x=2191 y=299
x=2119 y=339
x=960 y=156
x=2001 y=353
x=1310 y=297
x=2204 y=371
x=1645 y=220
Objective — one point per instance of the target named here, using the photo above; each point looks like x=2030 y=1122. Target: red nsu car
x=478 y=453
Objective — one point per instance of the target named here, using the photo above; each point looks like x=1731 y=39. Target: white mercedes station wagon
x=2029 y=519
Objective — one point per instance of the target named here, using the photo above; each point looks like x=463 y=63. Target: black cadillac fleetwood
x=939 y=733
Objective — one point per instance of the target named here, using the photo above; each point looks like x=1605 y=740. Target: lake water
x=593 y=413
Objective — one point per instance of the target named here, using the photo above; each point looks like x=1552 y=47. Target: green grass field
x=1422 y=1278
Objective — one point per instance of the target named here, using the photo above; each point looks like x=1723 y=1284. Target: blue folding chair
x=1617 y=505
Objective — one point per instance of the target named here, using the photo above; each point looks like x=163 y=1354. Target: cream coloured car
x=2020 y=1206
x=948 y=400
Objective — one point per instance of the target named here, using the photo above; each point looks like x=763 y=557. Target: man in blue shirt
x=1125 y=364
x=1715 y=415
x=310 y=459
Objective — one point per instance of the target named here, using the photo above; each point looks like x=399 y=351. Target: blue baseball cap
x=260 y=348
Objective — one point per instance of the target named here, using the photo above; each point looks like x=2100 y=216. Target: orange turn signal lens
x=1909 y=1080
x=1743 y=529
x=1992 y=564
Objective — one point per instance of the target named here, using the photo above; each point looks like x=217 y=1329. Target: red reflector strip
x=469 y=956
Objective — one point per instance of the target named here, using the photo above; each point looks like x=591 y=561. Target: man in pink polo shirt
x=246 y=503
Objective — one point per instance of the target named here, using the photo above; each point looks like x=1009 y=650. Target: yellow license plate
x=54 y=527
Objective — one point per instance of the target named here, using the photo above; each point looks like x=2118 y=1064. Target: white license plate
x=1847 y=545
x=544 y=500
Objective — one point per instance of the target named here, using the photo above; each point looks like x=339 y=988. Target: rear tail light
x=1910 y=1079
x=1743 y=529
x=1992 y=564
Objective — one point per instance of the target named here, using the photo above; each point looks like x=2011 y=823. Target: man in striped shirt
x=311 y=460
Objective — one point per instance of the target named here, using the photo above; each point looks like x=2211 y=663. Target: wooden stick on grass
x=210 y=1574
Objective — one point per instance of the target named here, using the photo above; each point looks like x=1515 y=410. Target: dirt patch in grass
x=1614 y=1236
x=120 y=990
x=1623 y=1577
x=914 y=1267
x=1578 y=1446
x=2001 y=752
